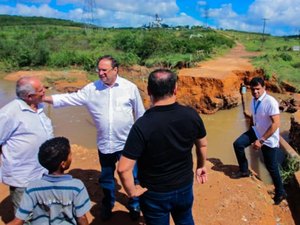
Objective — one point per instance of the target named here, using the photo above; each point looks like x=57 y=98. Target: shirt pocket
x=123 y=104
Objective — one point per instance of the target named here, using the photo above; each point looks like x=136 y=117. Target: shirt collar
x=262 y=96
x=117 y=82
x=162 y=108
x=25 y=107
x=56 y=178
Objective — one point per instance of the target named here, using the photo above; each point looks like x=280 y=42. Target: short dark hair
x=114 y=62
x=52 y=152
x=256 y=81
x=160 y=87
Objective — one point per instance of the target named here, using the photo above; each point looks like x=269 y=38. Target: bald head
x=30 y=89
x=25 y=87
x=162 y=83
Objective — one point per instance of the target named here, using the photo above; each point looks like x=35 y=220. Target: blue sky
x=282 y=16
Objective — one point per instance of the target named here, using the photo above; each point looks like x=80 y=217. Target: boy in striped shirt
x=57 y=198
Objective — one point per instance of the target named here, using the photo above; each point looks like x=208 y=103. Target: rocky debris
x=288 y=87
x=288 y=105
x=208 y=95
x=296 y=100
x=295 y=131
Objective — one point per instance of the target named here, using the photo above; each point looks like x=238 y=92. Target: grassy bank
x=276 y=55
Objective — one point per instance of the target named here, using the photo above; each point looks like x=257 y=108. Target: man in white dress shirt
x=114 y=104
x=24 y=127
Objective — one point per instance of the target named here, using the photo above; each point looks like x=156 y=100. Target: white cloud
x=164 y=8
x=282 y=15
x=34 y=1
x=42 y=10
x=122 y=13
x=201 y=3
x=4 y=9
x=183 y=20
x=72 y=2
x=224 y=12
x=284 y=12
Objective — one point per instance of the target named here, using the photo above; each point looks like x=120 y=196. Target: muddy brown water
x=222 y=127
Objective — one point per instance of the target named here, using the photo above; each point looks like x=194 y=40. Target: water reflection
x=222 y=127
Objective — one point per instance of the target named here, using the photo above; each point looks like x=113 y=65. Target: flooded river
x=222 y=127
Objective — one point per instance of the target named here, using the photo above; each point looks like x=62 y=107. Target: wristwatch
x=261 y=141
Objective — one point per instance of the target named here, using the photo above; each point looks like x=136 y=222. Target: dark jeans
x=107 y=180
x=269 y=154
x=16 y=194
x=157 y=206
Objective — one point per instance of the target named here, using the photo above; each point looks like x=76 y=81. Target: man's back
x=162 y=140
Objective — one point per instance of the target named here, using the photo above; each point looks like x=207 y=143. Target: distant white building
x=296 y=48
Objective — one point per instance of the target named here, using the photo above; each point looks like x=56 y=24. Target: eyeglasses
x=103 y=70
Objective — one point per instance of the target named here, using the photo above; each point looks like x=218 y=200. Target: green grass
x=62 y=45
x=276 y=55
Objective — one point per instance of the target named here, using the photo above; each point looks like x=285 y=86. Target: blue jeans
x=269 y=154
x=107 y=180
x=157 y=206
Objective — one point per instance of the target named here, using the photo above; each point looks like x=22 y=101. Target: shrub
x=286 y=57
x=287 y=171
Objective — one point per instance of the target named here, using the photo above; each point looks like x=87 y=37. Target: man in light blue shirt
x=24 y=127
x=114 y=104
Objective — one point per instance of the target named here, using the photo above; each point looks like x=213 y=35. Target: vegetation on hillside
x=58 y=46
x=32 y=42
x=6 y=20
x=276 y=55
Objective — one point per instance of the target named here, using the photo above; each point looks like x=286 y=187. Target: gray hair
x=24 y=87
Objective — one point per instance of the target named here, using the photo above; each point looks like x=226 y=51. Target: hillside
x=6 y=20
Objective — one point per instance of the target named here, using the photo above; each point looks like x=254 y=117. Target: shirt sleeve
x=134 y=145
x=138 y=106
x=71 y=99
x=200 y=126
x=7 y=127
x=273 y=107
x=26 y=206
x=82 y=201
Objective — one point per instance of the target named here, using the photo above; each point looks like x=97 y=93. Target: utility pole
x=206 y=15
x=88 y=14
x=263 y=33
